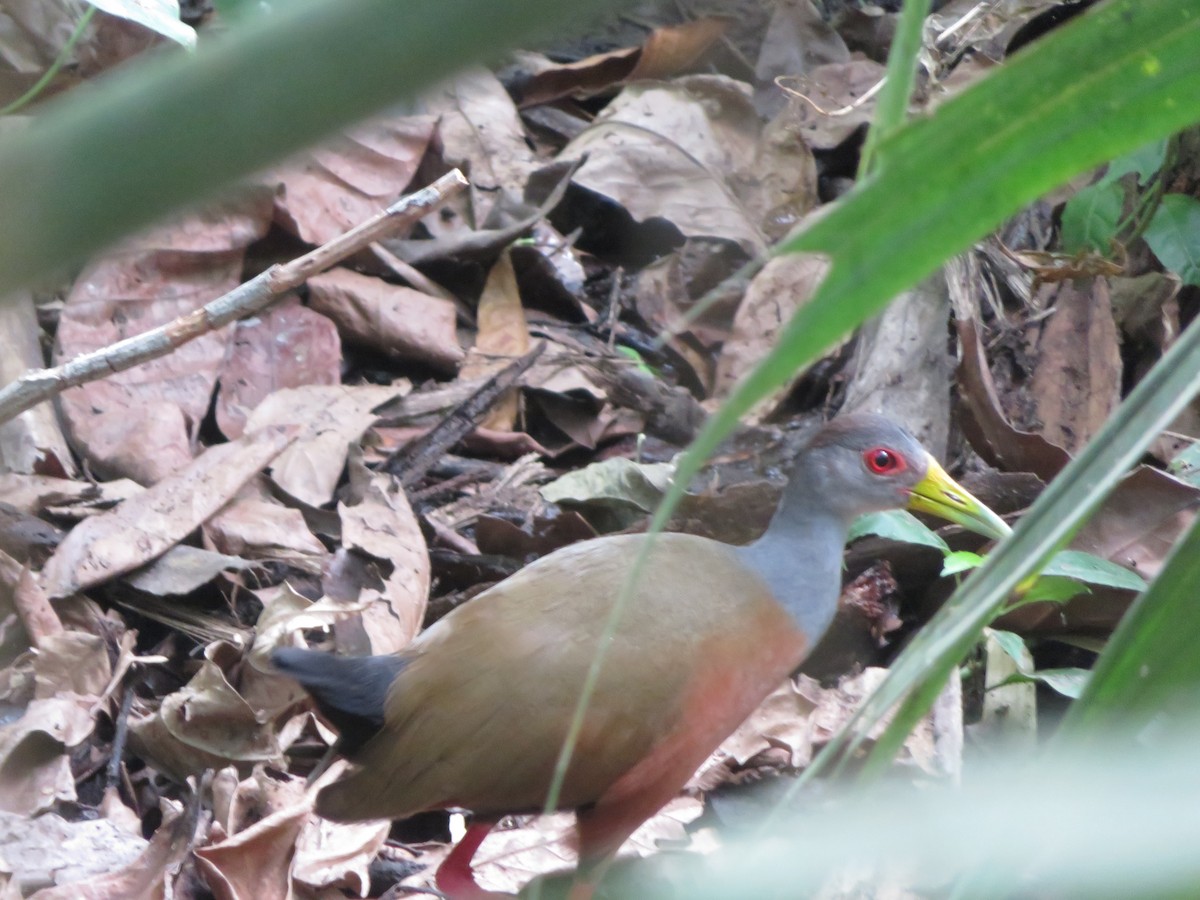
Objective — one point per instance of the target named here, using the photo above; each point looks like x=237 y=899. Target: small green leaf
x=960 y=561
x=1091 y=217
x=1069 y=682
x=1174 y=236
x=1186 y=465
x=1093 y=570
x=1012 y=644
x=616 y=482
x=1051 y=589
x=897 y=525
x=1145 y=161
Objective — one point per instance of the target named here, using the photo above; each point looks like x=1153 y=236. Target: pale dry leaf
x=502 y=335
x=328 y=190
x=72 y=663
x=382 y=525
x=481 y=133
x=140 y=422
x=337 y=856
x=254 y=528
x=330 y=419
x=35 y=767
x=35 y=494
x=827 y=104
x=183 y=569
x=398 y=321
x=49 y=850
x=285 y=346
x=796 y=41
x=205 y=724
x=673 y=151
x=508 y=858
x=32 y=442
x=146 y=526
x=254 y=864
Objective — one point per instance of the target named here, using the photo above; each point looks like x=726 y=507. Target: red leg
x=454 y=877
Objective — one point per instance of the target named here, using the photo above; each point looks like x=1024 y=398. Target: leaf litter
x=238 y=494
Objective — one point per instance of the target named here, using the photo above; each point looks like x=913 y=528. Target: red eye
x=883 y=461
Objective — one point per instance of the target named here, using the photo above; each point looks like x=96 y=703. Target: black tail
x=350 y=691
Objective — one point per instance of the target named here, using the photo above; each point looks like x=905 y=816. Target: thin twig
x=245 y=300
x=413 y=460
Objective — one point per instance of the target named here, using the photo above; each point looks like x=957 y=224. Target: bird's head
x=865 y=463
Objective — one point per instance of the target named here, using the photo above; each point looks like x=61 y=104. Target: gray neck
x=800 y=558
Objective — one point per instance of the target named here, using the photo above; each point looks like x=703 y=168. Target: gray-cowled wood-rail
x=474 y=712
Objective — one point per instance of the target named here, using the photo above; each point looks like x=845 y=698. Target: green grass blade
x=1149 y=673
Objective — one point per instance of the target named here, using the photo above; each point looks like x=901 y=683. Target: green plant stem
x=59 y=61
x=892 y=108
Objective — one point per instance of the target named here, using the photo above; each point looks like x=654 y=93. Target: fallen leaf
x=286 y=346
x=396 y=320
x=146 y=526
x=140 y=422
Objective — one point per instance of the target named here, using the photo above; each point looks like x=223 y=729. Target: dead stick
x=412 y=461
x=246 y=299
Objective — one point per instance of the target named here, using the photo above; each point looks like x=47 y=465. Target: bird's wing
x=479 y=715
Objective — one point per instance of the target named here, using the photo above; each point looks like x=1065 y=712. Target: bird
x=474 y=712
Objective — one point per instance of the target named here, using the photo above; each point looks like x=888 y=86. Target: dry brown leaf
x=336 y=856
x=206 y=724
x=140 y=422
x=146 y=526
x=36 y=494
x=35 y=769
x=827 y=103
x=1076 y=381
x=286 y=346
x=32 y=442
x=668 y=51
x=329 y=418
x=72 y=663
x=326 y=191
x=398 y=321
x=49 y=850
x=1137 y=526
x=254 y=864
x=784 y=285
x=508 y=858
x=985 y=424
x=382 y=526
x=481 y=133
x=258 y=528
x=502 y=336
x=674 y=151
x=797 y=40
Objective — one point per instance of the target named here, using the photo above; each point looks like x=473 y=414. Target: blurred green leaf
x=1186 y=465
x=897 y=525
x=960 y=561
x=1050 y=589
x=174 y=128
x=1068 y=681
x=1174 y=236
x=1092 y=569
x=1091 y=217
x=1145 y=161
